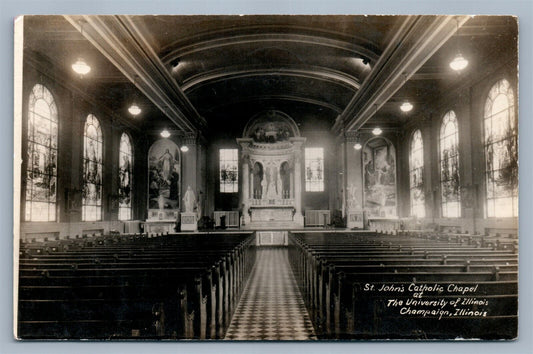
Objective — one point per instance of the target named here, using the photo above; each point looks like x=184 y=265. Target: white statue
x=263 y=188
x=271 y=194
x=189 y=200
x=280 y=186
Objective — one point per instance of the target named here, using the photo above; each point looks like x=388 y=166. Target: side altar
x=161 y=221
x=271 y=155
x=164 y=171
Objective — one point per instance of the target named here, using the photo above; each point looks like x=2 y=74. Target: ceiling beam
x=433 y=76
x=230 y=73
x=264 y=38
x=124 y=45
x=415 y=41
x=290 y=98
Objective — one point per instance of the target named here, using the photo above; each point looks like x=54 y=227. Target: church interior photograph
x=266 y=177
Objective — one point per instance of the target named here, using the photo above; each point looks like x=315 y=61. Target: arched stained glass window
x=314 y=169
x=41 y=171
x=125 y=174
x=449 y=166
x=229 y=171
x=92 y=170
x=501 y=151
x=416 y=179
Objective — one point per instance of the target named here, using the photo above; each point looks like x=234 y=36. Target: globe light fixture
x=165 y=133
x=184 y=148
x=81 y=67
x=134 y=110
x=377 y=131
x=459 y=62
x=358 y=146
x=406 y=106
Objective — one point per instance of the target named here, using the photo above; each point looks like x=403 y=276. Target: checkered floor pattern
x=271 y=307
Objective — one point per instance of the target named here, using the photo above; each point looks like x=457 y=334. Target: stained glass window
x=125 y=174
x=416 y=179
x=314 y=169
x=41 y=172
x=229 y=171
x=449 y=166
x=92 y=170
x=501 y=151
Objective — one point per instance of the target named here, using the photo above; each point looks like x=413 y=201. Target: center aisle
x=271 y=307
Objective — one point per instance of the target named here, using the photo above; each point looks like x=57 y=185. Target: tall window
x=229 y=171
x=416 y=167
x=41 y=172
x=125 y=173
x=449 y=167
x=314 y=169
x=501 y=151
x=92 y=170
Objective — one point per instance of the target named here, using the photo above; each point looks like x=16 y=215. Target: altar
x=271 y=154
x=160 y=221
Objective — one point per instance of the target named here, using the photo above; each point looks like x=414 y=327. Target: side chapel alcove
x=164 y=186
x=379 y=171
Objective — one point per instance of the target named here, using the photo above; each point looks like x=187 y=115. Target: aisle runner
x=271 y=307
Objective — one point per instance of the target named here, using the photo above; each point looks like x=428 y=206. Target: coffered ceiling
x=212 y=73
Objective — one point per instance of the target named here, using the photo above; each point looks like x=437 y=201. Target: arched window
x=314 y=169
x=449 y=166
x=92 y=170
x=501 y=151
x=125 y=174
x=416 y=179
x=229 y=171
x=41 y=171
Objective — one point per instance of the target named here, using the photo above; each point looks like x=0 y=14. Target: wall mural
x=270 y=127
x=164 y=175
x=379 y=161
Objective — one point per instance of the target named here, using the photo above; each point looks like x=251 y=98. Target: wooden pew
x=327 y=267
x=201 y=291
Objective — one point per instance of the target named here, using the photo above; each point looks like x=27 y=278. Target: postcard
x=266 y=177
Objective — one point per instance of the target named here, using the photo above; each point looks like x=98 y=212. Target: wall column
x=354 y=180
x=298 y=156
x=190 y=165
x=245 y=191
x=245 y=181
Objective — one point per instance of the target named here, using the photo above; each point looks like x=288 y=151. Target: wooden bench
x=329 y=267
x=131 y=289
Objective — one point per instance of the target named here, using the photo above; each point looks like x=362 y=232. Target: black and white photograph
x=266 y=177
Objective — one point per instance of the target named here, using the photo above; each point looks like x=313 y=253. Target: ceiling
x=212 y=73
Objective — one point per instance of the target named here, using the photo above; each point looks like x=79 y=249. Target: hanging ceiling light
x=406 y=106
x=184 y=148
x=134 y=109
x=377 y=131
x=459 y=62
x=165 y=133
x=357 y=145
x=81 y=67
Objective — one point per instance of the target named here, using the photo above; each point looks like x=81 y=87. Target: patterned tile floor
x=271 y=307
